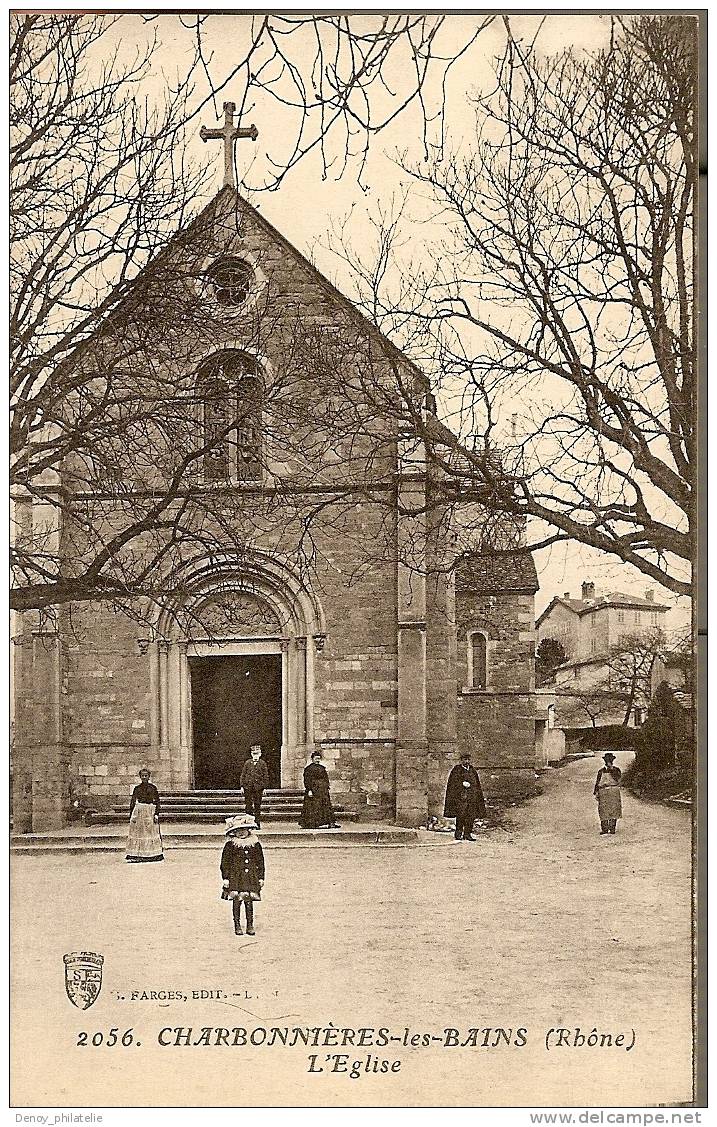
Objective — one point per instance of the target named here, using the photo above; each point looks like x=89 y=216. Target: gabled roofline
x=553 y=602
x=620 y=600
x=603 y=602
x=184 y=234
x=335 y=293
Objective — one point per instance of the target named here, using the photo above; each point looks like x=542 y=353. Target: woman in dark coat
x=242 y=867
x=144 y=841
x=607 y=793
x=464 y=798
x=317 y=809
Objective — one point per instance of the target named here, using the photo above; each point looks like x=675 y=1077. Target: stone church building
x=302 y=592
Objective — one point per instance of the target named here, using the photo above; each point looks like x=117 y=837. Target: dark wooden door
x=236 y=702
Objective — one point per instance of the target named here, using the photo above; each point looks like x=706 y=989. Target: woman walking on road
x=607 y=793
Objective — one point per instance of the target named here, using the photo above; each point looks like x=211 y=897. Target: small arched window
x=477 y=660
x=229 y=389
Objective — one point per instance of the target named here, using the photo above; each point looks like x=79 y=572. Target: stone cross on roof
x=229 y=133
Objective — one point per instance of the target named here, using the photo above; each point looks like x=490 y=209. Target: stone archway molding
x=289 y=621
x=255 y=572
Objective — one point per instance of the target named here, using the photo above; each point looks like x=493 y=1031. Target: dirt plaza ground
x=541 y=925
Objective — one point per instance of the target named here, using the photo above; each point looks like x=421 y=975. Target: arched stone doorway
x=235 y=666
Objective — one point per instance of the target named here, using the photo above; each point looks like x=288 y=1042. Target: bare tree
x=99 y=179
x=596 y=700
x=336 y=80
x=679 y=653
x=629 y=668
x=97 y=188
x=610 y=688
x=563 y=291
x=110 y=437
x=166 y=438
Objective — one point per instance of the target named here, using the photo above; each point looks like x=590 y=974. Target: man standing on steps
x=464 y=798
x=254 y=779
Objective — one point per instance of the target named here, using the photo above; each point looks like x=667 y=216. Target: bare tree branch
x=563 y=292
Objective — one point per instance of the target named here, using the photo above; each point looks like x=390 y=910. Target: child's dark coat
x=242 y=865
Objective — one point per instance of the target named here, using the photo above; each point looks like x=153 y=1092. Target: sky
x=308 y=202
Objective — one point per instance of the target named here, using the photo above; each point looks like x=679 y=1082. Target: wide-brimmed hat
x=608 y=755
x=240 y=822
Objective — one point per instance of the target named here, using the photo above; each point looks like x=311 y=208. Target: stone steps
x=289 y=814
x=214 y=806
x=230 y=797
x=113 y=840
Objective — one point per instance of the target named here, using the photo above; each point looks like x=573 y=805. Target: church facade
x=307 y=595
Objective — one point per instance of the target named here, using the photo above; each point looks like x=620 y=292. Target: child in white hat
x=242 y=867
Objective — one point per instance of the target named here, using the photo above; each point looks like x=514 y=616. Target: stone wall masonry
x=509 y=622
x=106 y=695
x=356 y=674
x=40 y=760
x=441 y=676
x=362 y=776
x=105 y=700
x=105 y=686
x=500 y=736
x=103 y=775
x=359 y=703
x=498 y=729
x=288 y=298
x=497 y=725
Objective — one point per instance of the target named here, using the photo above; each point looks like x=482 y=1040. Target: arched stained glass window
x=229 y=388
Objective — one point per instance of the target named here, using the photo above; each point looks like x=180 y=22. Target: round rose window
x=230 y=281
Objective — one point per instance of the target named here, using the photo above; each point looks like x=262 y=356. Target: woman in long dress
x=144 y=841
x=607 y=793
x=317 y=810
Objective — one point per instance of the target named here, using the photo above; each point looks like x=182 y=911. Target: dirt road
x=539 y=926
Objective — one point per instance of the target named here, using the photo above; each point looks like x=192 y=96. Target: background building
x=612 y=642
x=594 y=624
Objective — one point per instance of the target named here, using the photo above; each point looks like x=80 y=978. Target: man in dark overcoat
x=464 y=797
x=254 y=779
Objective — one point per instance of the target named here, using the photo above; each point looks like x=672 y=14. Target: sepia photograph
x=356 y=754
